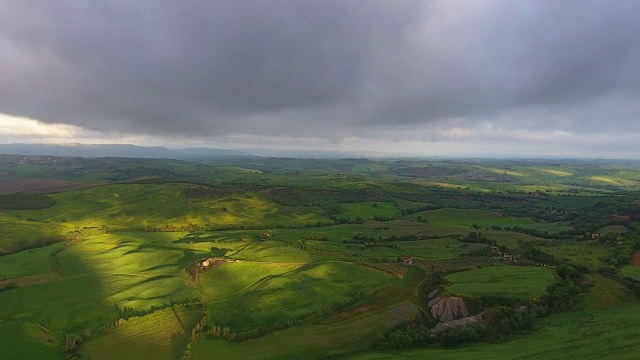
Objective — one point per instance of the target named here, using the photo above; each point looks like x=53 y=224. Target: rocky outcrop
x=434 y=293
x=434 y=301
x=450 y=308
x=450 y=311
x=466 y=321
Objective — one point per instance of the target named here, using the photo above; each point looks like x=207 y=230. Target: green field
x=522 y=282
x=631 y=271
x=464 y=218
x=161 y=335
x=317 y=258
x=277 y=299
x=28 y=263
x=233 y=278
x=581 y=253
x=308 y=341
x=368 y=210
x=21 y=339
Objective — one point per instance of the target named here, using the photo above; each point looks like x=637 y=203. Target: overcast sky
x=447 y=78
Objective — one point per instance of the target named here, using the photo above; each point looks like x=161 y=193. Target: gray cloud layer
x=321 y=68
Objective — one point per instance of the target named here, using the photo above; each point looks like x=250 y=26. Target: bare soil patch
x=449 y=308
x=41 y=186
x=30 y=280
x=635 y=260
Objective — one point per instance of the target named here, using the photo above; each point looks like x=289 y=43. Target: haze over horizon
x=429 y=78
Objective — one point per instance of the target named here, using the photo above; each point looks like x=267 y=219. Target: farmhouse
x=407 y=260
x=204 y=263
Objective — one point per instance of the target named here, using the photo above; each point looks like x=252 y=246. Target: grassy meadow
x=319 y=258
x=512 y=281
x=161 y=335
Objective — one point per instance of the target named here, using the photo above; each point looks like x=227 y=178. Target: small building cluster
x=407 y=260
x=499 y=255
x=210 y=263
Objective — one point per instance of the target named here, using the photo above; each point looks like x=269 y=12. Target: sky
x=432 y=78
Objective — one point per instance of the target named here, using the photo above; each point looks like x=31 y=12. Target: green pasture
x=67 y=305
x=27 y=262
x=612 y=180
x=580 y=201
x=464 y=218
x=104 y=273
x=136 y=206
x=229 y=279
x=277 y=251
x=308 y=341
x=606 y=293
x=620 y=229
x=434 y=249
x=149 y=206
x=367 y=210
x=431 y=249
x=18 y=231
x=588 y=254
x=161 y=335
x=630 y=271
x=523 y=282
x=132 y=270
x=509 y=238
x=350 y=329
x=24 y=340
x=295 y=294
x=257 y=207
x=370 y=168
x=121 y=206
x=335 y=248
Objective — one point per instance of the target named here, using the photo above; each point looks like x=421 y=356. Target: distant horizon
x=443 y=78
x=289 y=153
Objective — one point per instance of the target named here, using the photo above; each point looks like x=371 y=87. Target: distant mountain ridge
x=156 y=152
x=114 y=150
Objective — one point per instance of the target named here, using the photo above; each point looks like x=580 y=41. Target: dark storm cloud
x=316 y=67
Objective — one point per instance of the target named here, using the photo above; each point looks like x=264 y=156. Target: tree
x=71 y=342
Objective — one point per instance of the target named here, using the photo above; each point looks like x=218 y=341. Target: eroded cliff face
x=449 y=308
x=450 y=311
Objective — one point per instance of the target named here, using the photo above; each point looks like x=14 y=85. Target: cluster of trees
x=603 y=213
x=392 y=238
x=623 y=248
x=561 y=235
x=129 y=312
x=477 y=238
x=21 y=201
x=417 y=209
x=371 y=240
x=530 y=252
x=503 y=316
